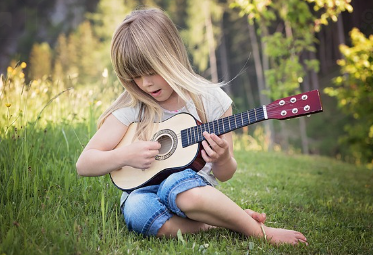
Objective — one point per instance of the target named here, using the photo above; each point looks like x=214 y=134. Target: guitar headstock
x=295 y=106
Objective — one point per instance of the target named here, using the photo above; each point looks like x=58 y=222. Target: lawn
x=46 y=208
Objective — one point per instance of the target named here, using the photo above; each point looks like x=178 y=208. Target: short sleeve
x=216 y=103
x=127 y=115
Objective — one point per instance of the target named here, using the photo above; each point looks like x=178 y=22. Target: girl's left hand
x=215 y=149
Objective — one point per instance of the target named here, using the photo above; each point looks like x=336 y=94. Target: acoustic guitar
x=181 y=135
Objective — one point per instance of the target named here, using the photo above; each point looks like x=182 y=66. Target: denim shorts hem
x=153 y=226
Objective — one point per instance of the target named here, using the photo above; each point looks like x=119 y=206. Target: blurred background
x=55 y=55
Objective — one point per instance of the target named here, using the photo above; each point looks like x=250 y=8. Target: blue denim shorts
x=147 y=209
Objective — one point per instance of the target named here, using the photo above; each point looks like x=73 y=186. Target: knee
x=191 y=199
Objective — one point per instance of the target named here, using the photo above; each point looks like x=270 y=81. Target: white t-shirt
x=216 y=102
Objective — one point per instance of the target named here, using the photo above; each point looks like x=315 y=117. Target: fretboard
x=194 y=135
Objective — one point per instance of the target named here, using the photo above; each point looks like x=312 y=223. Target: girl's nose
x=146 y=80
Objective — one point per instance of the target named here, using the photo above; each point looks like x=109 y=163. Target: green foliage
x=77 y=60
x=328 y=9
x=286 y=71
x=40 y=60
x=107 y=17
x=195 y=36
x=284 y=48
x=354 y=92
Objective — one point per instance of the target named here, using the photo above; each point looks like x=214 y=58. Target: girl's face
x=159 y=89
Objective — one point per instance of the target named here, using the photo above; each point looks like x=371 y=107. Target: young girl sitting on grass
x=151 y=62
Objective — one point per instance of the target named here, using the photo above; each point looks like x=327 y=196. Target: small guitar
x=180 y=137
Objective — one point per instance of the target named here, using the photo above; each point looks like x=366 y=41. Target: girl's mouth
x=156 y=93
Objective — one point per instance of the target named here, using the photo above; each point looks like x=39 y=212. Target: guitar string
x=272 y=107
x=261 y=116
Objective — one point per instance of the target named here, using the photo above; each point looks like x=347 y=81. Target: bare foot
x=259 y=217
x=284 y=236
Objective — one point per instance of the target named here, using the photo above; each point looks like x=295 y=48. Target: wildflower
x=23 y=65
x=8 y=105
x=21 y=75
x=9 y=69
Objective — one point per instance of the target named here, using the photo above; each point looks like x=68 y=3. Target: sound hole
x=166 y=144
x=168 y=140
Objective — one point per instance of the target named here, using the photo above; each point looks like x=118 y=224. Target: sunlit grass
x=45 y=208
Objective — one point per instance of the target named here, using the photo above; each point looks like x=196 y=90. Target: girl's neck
x=173 y=103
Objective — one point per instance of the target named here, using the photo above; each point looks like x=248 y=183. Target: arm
x=219 y=151
x=100 y=156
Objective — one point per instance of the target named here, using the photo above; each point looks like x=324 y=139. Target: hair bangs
x=135 y=62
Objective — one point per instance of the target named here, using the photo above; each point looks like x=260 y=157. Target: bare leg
x=209 y=205
x=170 y=228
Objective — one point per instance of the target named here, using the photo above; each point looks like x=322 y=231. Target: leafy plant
x=354 y=92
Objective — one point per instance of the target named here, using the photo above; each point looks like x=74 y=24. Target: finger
x=205 y=157
x=210 y=141
x=218 y=140
x=154 y=145
x=210 y=152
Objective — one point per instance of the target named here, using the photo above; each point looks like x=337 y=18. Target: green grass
x=45 y=208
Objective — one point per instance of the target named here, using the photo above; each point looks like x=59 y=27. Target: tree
x=354 y=92
x=288 y=30
x=40 y=60
x=200 y=36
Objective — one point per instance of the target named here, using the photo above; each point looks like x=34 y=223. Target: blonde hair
x=148 y=42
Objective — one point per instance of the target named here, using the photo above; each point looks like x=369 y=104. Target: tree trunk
x=211 y=43
x=302 y=125
x=313 y=75
x=303 y=134
x=268 y=125
x=224 y=61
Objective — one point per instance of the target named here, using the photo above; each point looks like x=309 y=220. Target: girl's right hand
x=141 y=154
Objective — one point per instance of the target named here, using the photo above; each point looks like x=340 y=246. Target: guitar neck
x=224 y=125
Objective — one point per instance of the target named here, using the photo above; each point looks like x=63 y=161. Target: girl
x=151 y=62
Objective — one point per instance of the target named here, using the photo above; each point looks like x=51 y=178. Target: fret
x=252 y=118
x=196 y=133
x=226 y=122
x=260 y=114
x=192 y=140
x=255 y=114
x=188 y=134
x=245 y=119
x=183 y=138
x=201 y=132
x=240 y=119
x=231 y=122
x=210 y=125
x=221 y=127
x=216 y=127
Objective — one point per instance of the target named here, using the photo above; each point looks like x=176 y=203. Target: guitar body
x=172 y=157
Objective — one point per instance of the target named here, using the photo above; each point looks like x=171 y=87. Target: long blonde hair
x=148 y=42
